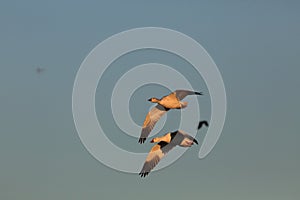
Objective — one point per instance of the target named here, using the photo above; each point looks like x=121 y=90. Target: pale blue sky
x=255 y=45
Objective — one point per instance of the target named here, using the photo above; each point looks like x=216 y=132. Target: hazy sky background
x=256 y=47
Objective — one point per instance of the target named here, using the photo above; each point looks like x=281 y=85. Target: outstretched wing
x=155 y=155
x=151 y=119
x=181 y=94
x=185 y=135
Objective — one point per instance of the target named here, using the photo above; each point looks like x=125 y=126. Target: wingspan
x=181 y=94
x=151 y=119
x=155 y=155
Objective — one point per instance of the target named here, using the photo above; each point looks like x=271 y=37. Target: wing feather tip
x=142 y=140
x=143 y=174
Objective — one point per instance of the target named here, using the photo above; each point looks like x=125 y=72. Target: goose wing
x=181 y=94
x=185 y=135
x=155 y=155
x=151 y=119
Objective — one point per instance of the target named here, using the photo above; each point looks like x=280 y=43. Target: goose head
x=154 y=100
x=154 y=140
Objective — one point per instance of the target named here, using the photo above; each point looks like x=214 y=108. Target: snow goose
x=163 y=146
x=171 y=101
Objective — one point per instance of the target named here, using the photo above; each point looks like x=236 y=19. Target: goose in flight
x=163 y=146
x=171 y=101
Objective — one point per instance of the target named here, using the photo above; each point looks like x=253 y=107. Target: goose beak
x=149 y=99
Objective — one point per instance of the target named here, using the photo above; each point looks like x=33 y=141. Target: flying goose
x=171 y=101
x=163 y=146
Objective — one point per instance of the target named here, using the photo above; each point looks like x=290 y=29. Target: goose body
x=171 y=101
x=163 y=146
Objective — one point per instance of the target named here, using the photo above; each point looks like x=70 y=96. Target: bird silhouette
x=201 y=123
x=39 y=70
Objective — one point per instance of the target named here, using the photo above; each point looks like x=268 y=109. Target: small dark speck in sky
x=39 y=70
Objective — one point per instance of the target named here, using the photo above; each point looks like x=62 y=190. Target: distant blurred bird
x=164 y=145
x=171 y=101
x=201 y=123
x=39 y=70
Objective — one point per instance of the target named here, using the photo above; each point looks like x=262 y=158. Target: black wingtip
x=198 y=93
x=143 y=174
x=195 y=141
x=142 y=140
x=201 y=123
